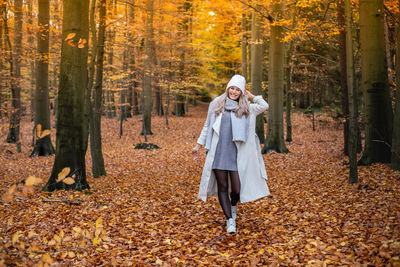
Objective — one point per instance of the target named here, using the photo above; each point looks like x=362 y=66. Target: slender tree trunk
x=43 y=146
x=378 y=106
x=352 y=97
x=32 y=51
x=146 y=130
x=395 y=159
x=275 y=140
x=343 y=73
x=244 y=46
x=257 y=68
x=15 y=118
x=3 y=14
x=71 y=120
x=96 y=151
x=288 y=79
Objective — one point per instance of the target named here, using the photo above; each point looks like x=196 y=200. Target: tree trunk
x=96 y=151
x=352 y=97
x=343 y=73
x=15 y=118
x=378 y=106
x=147 y=108
x=288 y=78
x=42 y=102
x=244 y=46
x=275 y=140
x=71 y=121
x=257 y=68
x=32 y=50
x=395 y=159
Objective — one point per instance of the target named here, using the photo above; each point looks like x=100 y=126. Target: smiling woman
x=233 y=150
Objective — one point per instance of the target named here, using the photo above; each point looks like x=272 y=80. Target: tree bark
x=147 y=90
x=71 y=136
x=244 y=45
x=395 y=157
x=343 y=73
x=378 y=106
x=352 y=97
x=288 y=78
x=96 y=150
x=257 y=68
x=275 y=140
x=15 y=118
x=42 y=102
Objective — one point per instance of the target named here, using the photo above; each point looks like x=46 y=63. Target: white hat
x=238 y=81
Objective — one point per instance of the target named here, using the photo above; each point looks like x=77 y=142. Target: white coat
x=250 y=163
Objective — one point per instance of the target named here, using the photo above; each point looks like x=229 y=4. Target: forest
x=102 y=101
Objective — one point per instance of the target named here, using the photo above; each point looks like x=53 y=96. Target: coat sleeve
x=259 y=106
x=203 y=135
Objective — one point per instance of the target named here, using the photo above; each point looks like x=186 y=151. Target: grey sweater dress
x=226 y=151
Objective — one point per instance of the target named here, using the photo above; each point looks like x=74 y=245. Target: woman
x=233 y=150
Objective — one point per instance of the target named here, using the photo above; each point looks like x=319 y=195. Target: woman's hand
x=195 y=151
x=248 y=94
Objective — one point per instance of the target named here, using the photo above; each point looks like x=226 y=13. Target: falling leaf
x=38 y=130
x=70 y=36
x=32 y=180
x=81 y=43
x=63 y=173
x=45 y=133
x=68 y=180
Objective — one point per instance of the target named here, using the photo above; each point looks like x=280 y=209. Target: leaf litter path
x=146 y=211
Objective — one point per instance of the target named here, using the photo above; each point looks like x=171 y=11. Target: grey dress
x=226 y=151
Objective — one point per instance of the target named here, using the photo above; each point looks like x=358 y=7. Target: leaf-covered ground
x=146 y=211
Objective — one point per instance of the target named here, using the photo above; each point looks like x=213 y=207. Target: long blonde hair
x=243 y=107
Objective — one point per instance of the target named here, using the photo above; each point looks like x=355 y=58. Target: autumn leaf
x=70 y=36
x=9 y=194
x=45 y=133
x=32 y=180
x=63 y=174
x=81 y=43
x=68 y=181
x=38 y=130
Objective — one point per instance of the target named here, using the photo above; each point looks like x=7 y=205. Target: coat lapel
x=217 y=124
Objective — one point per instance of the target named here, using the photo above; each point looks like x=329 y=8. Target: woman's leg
x=222 y=181
x=235 y=187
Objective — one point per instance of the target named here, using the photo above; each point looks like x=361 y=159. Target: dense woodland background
x=78 y=76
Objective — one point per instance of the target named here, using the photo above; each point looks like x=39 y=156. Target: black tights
x=222 y=181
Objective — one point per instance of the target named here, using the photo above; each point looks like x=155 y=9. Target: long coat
x=250 y=163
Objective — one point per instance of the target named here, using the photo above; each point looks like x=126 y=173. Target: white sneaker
x=233 y=211
x=230 y=225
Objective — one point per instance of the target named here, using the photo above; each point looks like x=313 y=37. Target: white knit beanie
x=238 y=81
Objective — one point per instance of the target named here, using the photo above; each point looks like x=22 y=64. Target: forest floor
x=146 y=211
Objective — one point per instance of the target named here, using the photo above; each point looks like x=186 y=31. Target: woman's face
x=234 y=92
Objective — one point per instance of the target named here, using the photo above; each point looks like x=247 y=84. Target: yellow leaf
x=159 y=262
x=15 y=238
x=38 y=130
x=52 y=242
x=70 y=36
x=45 y=133
x=261 y=251
x=31 y=233
x=63 y=173
x=32 y=180
x=67 y=238
x=96 y=240
x=47 y=259
x=69 y=180
x=57 y=238
x=71 y=254
x=99 y=222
